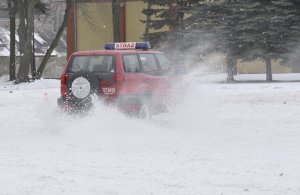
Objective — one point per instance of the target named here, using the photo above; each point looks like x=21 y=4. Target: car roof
x=113 y=52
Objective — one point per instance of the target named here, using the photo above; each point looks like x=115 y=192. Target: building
x=90 y=23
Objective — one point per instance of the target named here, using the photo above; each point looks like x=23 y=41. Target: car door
x=151 y=70
x=97 y=69
x=167 y=78
x=136 y=82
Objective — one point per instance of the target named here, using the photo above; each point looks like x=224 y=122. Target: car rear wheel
x=81 y=86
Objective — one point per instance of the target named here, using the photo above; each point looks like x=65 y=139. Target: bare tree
x=25 y=31
x=12 y=23
x=52 y=20
x=55 y=41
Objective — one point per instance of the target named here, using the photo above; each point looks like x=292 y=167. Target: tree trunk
x=55 y=41
x=116 y=19
x=269 y=69
x=23 y=71
x=235 y=66
x=230 y=68
x=29 y=34
x=33 y=67
x=12 y=22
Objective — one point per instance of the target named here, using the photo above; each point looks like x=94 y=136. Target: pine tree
x=165 y=26
x=165 y=14
x=267 y=29
x=242 y=29
x=291 y=57
x=248 y=29
x=219 y=20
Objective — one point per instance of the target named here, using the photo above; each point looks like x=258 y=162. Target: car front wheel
x=144 y=112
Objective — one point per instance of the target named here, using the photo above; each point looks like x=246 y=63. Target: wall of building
x=134 y=27
x=94 y=25
x=259 y=66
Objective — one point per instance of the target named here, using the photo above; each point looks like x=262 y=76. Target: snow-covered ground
x=230 y=139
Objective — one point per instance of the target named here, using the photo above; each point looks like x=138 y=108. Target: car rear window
x=97 y=63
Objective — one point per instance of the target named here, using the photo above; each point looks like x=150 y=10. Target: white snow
x=4 y=51
x=220 y=138
x=38 y=38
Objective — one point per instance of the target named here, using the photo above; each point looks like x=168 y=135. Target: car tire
x=88 y=80
x=78 y=100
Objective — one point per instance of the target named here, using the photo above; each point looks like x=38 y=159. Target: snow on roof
x=41 y=45
x=4 y=51
x=38 y=38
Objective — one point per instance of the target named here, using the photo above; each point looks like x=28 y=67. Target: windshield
x=99 y=63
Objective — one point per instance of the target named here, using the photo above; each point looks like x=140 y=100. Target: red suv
x=128 y=75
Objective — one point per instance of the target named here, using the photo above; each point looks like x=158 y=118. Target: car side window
x=149 y=63
x=165 y=64
x=131 y=63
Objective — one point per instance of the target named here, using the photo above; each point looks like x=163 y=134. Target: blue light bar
x=142 y=45
x=109 y=46
x=127 y=45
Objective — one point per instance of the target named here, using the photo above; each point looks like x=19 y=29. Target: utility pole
x=116 y=19
x=12 y=23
